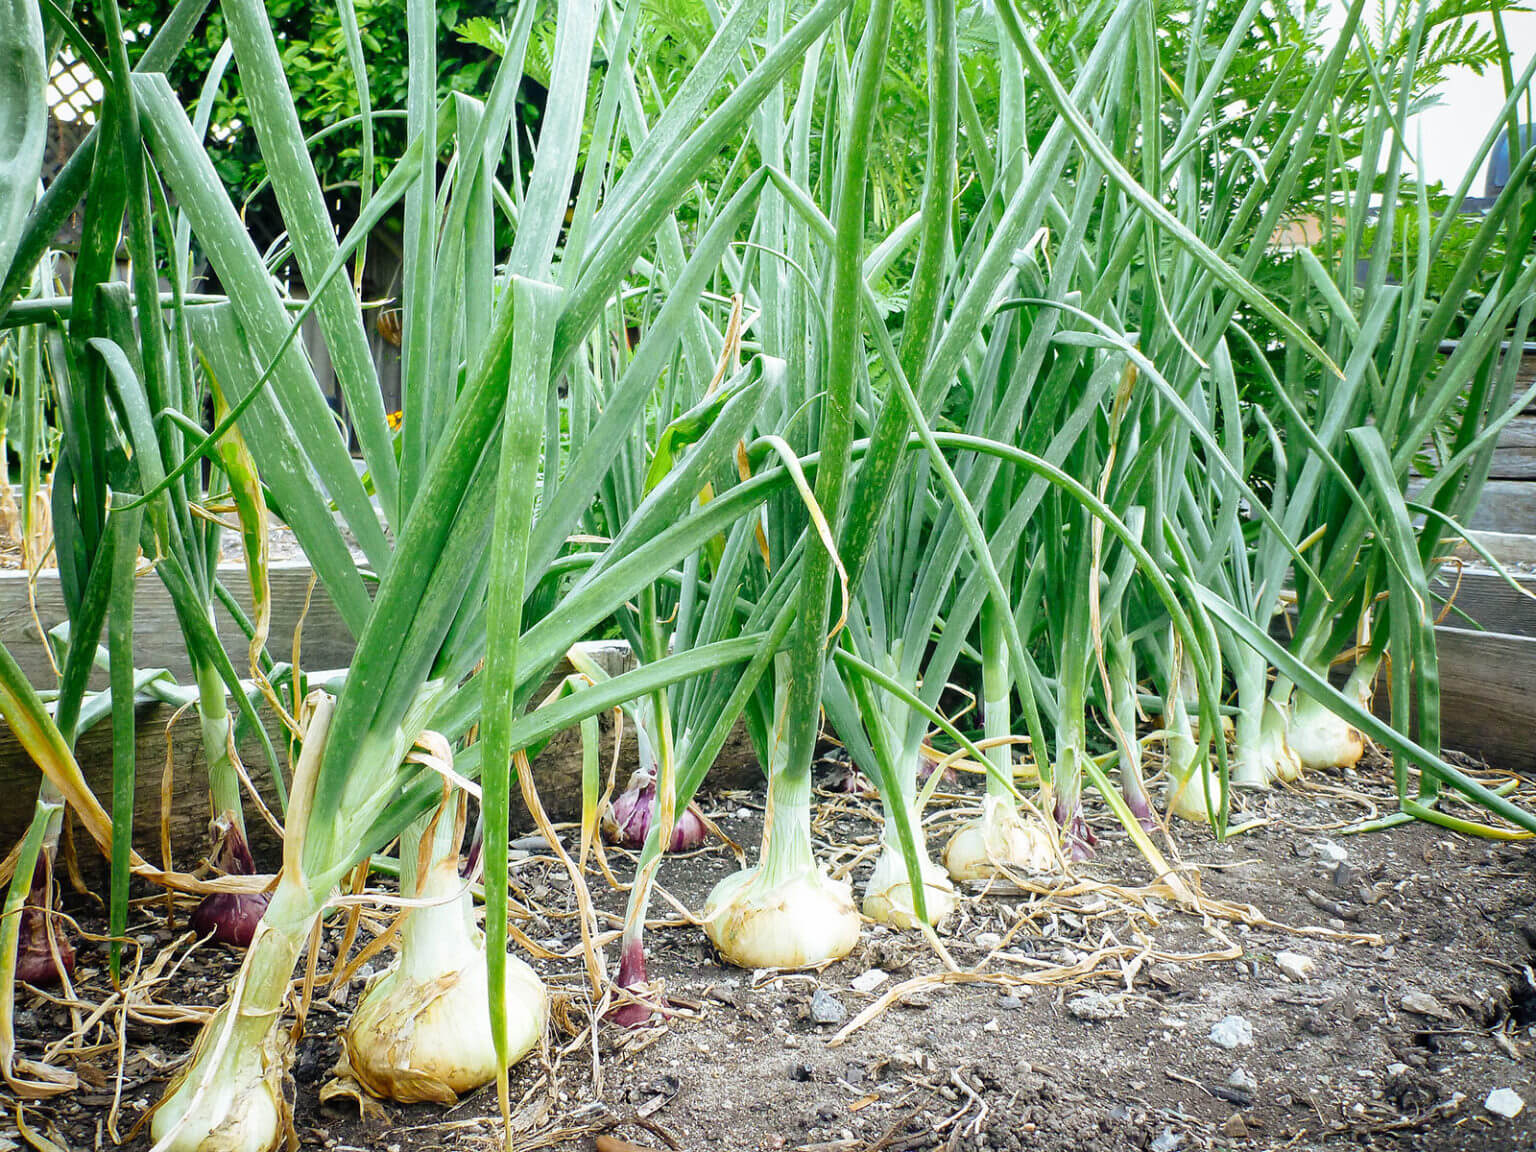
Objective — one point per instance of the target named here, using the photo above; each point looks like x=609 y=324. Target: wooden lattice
x=73 y=90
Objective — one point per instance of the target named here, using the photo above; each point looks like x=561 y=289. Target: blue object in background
x=1499 y=161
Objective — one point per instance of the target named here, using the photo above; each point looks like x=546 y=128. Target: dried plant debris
x=1067 y=1011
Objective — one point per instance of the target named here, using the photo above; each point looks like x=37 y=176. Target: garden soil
x=1334 y=990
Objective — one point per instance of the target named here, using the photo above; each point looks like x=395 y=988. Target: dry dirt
x=1418 y=1004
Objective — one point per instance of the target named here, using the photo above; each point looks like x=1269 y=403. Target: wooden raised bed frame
x=1488 y=684
x=168 y=742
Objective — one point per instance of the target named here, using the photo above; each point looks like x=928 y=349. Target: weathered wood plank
x=1505 y=506
x=1514 y=457
x=1505 y=547
x=157 y=637
x=1489 y=601
x=1487 y=687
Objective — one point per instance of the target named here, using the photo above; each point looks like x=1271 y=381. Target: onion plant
x=493 y=463
x=1412 y=397
x=890 y=627
x=685 y=403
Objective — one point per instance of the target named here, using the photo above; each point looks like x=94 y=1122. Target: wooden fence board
x=1505 y=506
x=1514 y=457
x=1487 y=691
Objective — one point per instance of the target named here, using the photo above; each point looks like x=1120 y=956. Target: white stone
x=1330 y=851
x=1242 y=1080
x=1296 y=965
x=1504 y=1102
x=1422 y=1004
x=868 y=981
x=988 y=940
x=1232 y=1032
x=990 y=1025
x=1095 y=1006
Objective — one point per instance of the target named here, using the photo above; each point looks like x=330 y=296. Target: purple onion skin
x=231 y=917
x=848 y=780
x=630 y=1013
x=1141 y=808
x=628 y=820
x=925 y=769
x=1077 y=839
x=35 y=963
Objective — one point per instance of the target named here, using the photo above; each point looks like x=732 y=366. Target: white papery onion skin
x=1269 y=758
x=243 y=1108
x=230 y=1096
x=422 y=1028
x=888 y=892
x=797 y=921
x=1322 y=740
x=999 y=838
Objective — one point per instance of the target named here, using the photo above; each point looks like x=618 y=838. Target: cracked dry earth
x=1380 y=990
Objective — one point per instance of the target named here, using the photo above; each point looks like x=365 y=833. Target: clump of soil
x=1335 y=991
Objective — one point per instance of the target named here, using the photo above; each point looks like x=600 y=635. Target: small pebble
x=1422 y=1004
x=534 y=843
x=1234 y=1128
x=869 y=981
x=1094 y=1006
x=1009 y=1002
x=1167 y=1140
x=827 y=1008
x=1242 y=1080
x=1232 y=1032
x=1504 y=1102
x=990 y=1026
x=988 y=940
x=1296 y=966
x=1330 y=851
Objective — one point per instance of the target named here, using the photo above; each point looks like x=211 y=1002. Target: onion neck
x=996 y=690
x=214 y=725
x=280 y=937
x=1361 y=685
x=439 y=937
x=786 y=845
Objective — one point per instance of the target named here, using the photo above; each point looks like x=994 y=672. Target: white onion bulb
x=888 y=892
x=1268 y=758
x=1323 y=740
x=1000 y=838
x=798 y=921
x=422 y=1029
x=1187 y=798
x=242 y=1107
